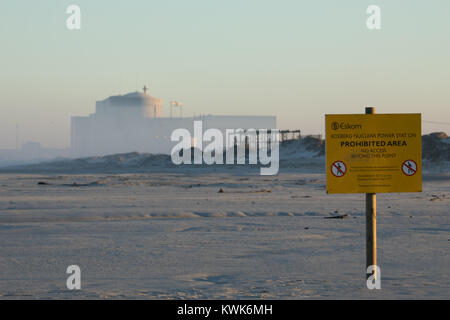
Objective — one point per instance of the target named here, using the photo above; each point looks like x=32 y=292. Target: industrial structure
x=134 y=122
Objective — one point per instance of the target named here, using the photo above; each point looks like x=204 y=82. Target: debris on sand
x=436 y=197
x=262 y=191
x=75 y=184
x=342 y=216
x=193 y=185
x=251 y=191
x=255 y=191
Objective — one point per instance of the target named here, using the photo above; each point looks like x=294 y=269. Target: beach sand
x=175 y=236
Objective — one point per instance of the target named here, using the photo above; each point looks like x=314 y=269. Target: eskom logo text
x=345 y=126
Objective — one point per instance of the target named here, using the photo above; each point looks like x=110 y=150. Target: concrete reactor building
x=133 y=122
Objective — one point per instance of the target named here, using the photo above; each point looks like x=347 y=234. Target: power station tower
x=179 y=104
x=145 y=90
x=175 y=104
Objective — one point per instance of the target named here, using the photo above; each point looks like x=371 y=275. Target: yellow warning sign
x=373 y=153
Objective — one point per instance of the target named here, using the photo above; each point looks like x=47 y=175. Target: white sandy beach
x=173 y=235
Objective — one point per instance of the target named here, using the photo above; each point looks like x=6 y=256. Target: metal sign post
x=371 y=225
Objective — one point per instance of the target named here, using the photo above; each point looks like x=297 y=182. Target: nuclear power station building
x=134 y=122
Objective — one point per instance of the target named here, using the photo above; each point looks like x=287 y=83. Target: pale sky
x=294 y=59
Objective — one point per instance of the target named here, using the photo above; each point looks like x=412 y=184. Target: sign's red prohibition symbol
x=338 y=169
x=409 y=167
